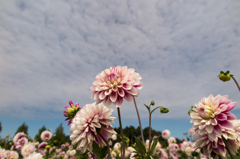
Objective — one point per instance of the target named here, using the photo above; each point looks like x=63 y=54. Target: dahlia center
x=205 y=112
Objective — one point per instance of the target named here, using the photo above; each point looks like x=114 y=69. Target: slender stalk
x=149 y=132
x=109 y=155
x=236 y=82
x=123 y=142
x=224 y=140
x=47 y=154
x=138 y=119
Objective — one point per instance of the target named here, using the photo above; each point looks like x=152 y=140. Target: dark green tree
x=38 y=135
x=0 y=127
x=22 y=128
x=59 y=136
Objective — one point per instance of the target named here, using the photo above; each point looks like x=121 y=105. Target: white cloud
x=52 y=51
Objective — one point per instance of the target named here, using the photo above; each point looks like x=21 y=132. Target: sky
x=51 y=52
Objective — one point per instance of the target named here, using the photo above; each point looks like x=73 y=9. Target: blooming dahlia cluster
x=114 y=84
x=46 y=135
x=88 y=123
x=211 y=120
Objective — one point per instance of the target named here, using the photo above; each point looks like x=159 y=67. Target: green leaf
x=148 y=108
x=155 y=141
x=96 y=150
x=147 y=157
x=104 y=152
x=228 y=72
x=222 y=72
x=140 y=148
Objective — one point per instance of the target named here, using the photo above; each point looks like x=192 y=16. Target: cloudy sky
x=51 y=52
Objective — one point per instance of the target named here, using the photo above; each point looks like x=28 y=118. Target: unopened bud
x=225 y=76
x=48 y=147
x=164 y=110
x=152 y=102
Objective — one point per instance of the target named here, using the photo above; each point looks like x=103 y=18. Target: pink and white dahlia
x=34 y=156
x=46 y=135
x=28 y=149
x=88 y=123
x=11 y=155
x=166 y=134
x=18 y=136
x=211 y=120
x=41 y=147
x=21 y=142
x=3 y=153
x=114 y=84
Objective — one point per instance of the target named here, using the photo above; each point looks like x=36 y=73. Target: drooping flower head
x=88 y=123
x=46 y=135
x=114 y=84
x=211 y=119
x=71 y=111
x=18 y=136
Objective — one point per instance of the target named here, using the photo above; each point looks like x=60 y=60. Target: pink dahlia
x=166 y=134
x=211 y=120
x=18 y=136
x=71 y=111
x=21 y=142
x=114 y=84
x=46 y=135
x=41 y=147
x=88 y=123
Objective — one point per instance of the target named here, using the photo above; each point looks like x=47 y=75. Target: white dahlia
x=88 y=123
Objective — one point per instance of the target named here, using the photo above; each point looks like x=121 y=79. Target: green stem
x=236 y=82
x=109 y=155
x=156 y=108
x=138 y=119
x=123 y=142
x=149 y=132
x=225 y=142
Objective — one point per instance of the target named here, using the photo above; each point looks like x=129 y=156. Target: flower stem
x=236 y=82
x=224 y=140
x=138 y=119
x=123 y=142
x=109 y=155
x=149 y=132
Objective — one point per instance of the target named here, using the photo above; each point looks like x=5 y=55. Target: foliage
x=22 y=128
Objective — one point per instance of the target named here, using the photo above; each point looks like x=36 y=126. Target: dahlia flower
x=3 y=153
x=41 y=147
x=71 y=111
x=35 y=156
x=46 y=135
x=172 y=140
x=18 y=136
x=88 y=123
x=11 y=155
x=114 y=84
x=211 y=120
x=166 y=134
x=27 y=149
x=21 y=142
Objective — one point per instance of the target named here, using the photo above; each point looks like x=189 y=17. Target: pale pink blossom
x=166 y=134
x=88 y=123
x=21 y=142
x=211 y=119
x=114 y=84
x=11 y=155
x=46 y=135
x=18 y=136
x=191 y=131
x=28 y=149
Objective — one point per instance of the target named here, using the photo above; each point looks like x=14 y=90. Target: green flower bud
x=48 y=147
x=164 y=110
x=194 y=153
x=225 y=76
x=152 y=102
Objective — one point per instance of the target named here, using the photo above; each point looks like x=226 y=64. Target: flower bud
x=152 y=102
x=225 y=76
x=48 y=147
x=164 y=110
